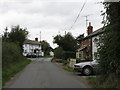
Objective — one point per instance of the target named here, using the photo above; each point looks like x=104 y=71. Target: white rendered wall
x=94 y=45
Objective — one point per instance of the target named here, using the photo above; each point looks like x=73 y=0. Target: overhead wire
x=78 y=15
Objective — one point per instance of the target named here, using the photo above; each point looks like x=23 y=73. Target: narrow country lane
x=41 y=73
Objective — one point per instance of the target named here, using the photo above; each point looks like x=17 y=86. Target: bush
x=110 y=82
x=12 y=60
x=69 y=54
x=78 y=60
x=10 y=54
x=59 y=53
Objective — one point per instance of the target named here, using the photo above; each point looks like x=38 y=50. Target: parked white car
x=86 y=68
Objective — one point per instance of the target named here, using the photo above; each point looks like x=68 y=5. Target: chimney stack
x=89 y=29
x=36 y=39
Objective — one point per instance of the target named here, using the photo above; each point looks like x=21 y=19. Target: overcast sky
x=51 y=17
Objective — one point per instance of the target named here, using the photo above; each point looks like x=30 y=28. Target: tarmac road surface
x=42 y=73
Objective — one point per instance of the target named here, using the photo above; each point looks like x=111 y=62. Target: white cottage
x=95 y=39
x=32 y=47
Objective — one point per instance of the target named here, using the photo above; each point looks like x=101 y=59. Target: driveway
x=41 y=73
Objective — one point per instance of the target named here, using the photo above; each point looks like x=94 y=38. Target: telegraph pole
x=6 y=33
x=86 y=20
x=40 y=36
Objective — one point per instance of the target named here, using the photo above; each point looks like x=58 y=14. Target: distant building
x=85 y=50
x=33 y=47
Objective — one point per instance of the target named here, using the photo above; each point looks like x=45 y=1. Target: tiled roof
x=99 y=31
x=31 y=42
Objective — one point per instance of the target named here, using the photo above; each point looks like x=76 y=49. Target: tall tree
x=46 y=48
x=79 y=39
x=109 y=50
x=67 y=42
x=18 y=35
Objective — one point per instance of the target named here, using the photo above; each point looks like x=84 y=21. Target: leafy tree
x=67 y=45
x=110 y=49
x=79 y=39
x=58 y=40
x=5 y=35
x=67 y=42
x=18 y=35
x=46 y=48
x=109 y=46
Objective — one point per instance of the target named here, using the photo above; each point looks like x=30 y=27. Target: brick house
x=85 y=50
x=88 y=46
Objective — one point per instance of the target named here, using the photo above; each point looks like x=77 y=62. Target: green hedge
x=12 y=60
x=69 y=54
x=10 y=54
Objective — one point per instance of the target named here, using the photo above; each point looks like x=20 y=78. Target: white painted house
x=32 y=47
x=95 y=40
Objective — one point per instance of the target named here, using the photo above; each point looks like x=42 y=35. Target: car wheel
x=87 y=71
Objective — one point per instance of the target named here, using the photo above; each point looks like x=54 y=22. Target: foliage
x=69 y=69
x=79 y=38
x=67 y=46
x=9 y=72
x=109 y=50
x=110 y=82
x=109 y=46
x=67 y=42
x=59 y=53
x=10 y=54
x=46 y=48
x=69 y=54
x=12 y=60
x=17 y=35
x=78 y=60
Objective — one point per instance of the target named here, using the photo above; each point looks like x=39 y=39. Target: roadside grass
x=63 y=63
x=93 y=81
x=109 y=82
x=0 y=78
x=13 y=69
x=70 y=69
x=45 y=56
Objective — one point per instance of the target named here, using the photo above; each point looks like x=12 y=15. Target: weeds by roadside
x=70 y=69
x=45 y=56
x=13 y=69
x=110 y=82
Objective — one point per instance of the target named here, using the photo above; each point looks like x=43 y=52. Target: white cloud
x=49 y=17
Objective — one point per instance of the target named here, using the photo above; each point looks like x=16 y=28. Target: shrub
x=69 y=54
x=59 y=53
x=10 y=54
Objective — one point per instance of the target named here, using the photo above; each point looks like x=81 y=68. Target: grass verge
x=70 y=69
x=45 y=56
x=62 y=62
x=109 y=82
x=13 y=69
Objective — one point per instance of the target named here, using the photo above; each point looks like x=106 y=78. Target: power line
x=78 y=15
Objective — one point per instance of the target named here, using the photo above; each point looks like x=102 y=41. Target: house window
x=96 y=55
x=95 y=40
x=25 y=51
